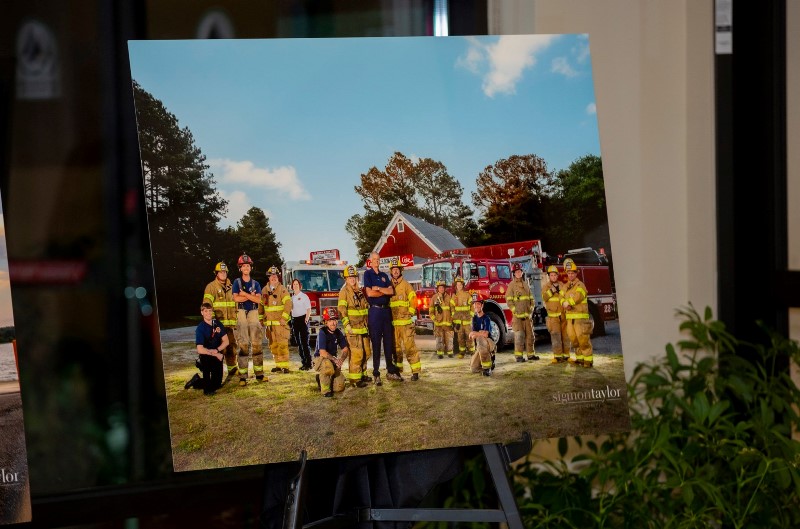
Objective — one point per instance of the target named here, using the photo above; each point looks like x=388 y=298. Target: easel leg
x=292 y=516
x=497 y=468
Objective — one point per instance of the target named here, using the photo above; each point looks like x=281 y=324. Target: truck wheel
x=498 y=333
x=598 y=325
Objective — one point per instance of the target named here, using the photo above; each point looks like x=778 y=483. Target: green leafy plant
x=710 y=444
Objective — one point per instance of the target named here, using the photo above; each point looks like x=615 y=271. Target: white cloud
x=561 y=65
x=581 y=52
x=505 y=60
x=591 y=108
x=282 y=179
x=238 y=204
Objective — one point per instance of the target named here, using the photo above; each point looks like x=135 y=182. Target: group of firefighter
x=248 y=312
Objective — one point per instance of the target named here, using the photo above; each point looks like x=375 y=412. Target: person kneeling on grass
x=211 y=338
x=327 y=363
x=483 y=358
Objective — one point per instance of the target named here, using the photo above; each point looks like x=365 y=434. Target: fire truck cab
x=321 y=278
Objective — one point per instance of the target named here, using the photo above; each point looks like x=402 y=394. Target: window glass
x=482 y=271
x=336 y=279
x=312 y=280
x=504 y=271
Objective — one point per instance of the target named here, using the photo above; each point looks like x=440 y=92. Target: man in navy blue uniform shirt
x=483 y=358
x=379 y=290
x=327 y=361
x=211 y=338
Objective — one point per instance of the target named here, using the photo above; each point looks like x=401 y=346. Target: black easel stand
x=498 y=458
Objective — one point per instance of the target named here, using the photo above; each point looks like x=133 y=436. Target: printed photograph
x=15 y=504
x=377 y=245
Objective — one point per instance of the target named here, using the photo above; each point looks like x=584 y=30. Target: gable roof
x=439 y=239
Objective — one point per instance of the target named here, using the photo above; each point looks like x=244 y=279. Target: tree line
x=517 y=198
x=184 y=210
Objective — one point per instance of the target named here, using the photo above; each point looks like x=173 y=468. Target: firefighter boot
x=415 y=377
x=487 y=372
x=532 y=356
x=358 y=383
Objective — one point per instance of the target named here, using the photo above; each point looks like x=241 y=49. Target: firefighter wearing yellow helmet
x=404 y=307
x=576 y=305
x=442 y=314
x=520 y=303
x=353 y=312
x=552 y=292
x=219 y=293
x=462 y=318
x=277 y=310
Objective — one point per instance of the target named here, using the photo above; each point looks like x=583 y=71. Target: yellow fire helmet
x=460 y=279
x=552 y=269
x=221 y=267
x=273 y=270
x=440 y=283
x=569 y=265
x=350 y=271
x=396 y=264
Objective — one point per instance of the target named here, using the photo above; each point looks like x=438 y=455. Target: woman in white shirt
x=301 y=313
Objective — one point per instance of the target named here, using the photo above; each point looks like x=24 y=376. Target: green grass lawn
x=273 y=421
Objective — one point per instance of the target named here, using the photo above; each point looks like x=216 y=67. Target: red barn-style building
x=409 y=235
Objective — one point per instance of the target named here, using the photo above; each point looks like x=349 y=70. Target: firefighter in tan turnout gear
x=404 y=306
x=462 y=318
x=520 y=302
x=247 y=295
x=219 y=293
x=277 y=304
x=576 y=305
x=552 y=292
x=353 y=312
x=485 y=348
x=442 y=310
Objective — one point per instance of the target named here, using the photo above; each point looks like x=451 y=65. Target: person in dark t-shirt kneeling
x=327 y=363
x=211 y=338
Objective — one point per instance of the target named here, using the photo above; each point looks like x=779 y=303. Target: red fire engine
x=321 y=278
x=487 y=269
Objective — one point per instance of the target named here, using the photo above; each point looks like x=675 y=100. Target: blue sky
x=289 y=125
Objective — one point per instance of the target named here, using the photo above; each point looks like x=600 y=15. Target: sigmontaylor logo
x=588 y=395
x=7 y=477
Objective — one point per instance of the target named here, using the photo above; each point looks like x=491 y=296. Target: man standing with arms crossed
x=462 y=317
x=219 y=294
x=247 y=295
x=404 y=306
x=379 y=291
x=277 y=308
x=520 y=301
x=556 y=321
x=353 y=309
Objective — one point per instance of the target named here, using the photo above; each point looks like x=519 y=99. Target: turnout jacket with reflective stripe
x=277 y=305
x=445 y=315
x=221 y=298
x=462 y=307
x=403 y=303
x=353 y=309
x=553 y=300
x=519 y=298
x=576 y=294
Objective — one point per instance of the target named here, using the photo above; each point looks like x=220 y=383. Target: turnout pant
x=230 y=351
x=557 y=327
x=278 y=340
x=330 y=376
x=360 y=353
x=579 y=331
x=482 y=357
x=251 y=341
x=406 y=345
x=523 y=336
x=464 y=343
x=444 y=339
